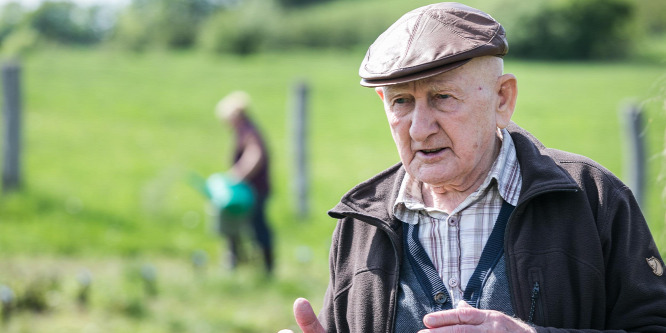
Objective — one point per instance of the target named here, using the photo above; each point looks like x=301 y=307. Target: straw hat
x=232 y=105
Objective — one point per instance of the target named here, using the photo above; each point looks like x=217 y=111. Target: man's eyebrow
x=395 y=90
x=396 y=87
x=433 y=85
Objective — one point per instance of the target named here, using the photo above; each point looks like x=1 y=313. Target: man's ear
x=508 y=93
x=380 y=92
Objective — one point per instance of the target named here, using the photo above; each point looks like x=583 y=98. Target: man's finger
x=463 y=314
x=306 y=318
x=463 y=304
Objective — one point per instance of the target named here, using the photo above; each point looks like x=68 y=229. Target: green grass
x=110 y=139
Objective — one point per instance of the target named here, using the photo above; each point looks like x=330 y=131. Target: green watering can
x=234 y=197
x=231 y=199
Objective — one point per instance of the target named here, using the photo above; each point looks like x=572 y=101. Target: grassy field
x=111 y=138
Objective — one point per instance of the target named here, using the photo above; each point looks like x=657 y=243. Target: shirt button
x=453 y=282
x=453 y=220
x=440 y=298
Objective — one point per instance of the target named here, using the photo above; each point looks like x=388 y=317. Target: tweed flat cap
x=431 y=40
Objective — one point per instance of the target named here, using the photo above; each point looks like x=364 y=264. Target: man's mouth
x=431 y=151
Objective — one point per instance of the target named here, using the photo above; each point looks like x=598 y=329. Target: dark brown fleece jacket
x=576 y=231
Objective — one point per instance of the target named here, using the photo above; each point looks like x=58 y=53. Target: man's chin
x=432 y=177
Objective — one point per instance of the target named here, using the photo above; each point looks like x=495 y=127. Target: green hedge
x=550 y=29
x=571 y=29
x=575 y=29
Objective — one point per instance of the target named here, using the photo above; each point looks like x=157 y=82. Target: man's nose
x=423 y=122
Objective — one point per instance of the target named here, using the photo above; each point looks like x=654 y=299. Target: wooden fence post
x=300 y=171
x=11 y=174
x=634 y=160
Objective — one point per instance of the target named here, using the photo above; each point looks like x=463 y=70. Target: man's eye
x=400 y=101
x=443 y=96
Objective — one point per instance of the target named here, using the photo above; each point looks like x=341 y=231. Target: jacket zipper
x=391 y=235
x=507 y=234
x=534 y=298
x=397 y=282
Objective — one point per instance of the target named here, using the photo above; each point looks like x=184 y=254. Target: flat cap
x=431 y=40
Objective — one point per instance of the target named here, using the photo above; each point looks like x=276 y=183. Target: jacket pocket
x=537 y=311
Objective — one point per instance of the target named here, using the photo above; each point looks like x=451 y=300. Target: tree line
x=545 y=29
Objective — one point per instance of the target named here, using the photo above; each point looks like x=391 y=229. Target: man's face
x=445 y=127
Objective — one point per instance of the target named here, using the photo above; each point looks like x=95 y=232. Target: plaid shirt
x=454 y=241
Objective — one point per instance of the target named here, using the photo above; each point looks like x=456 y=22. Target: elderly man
x=480 y=227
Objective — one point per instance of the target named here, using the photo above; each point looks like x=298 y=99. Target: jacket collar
x=540 y=166
x=372 y=201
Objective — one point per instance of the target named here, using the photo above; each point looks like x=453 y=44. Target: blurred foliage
x=10 y=17
x=331 y=26
x=652 y=14
x=66 y=23
x=59 y=22
x=15 y=39
x=299 y=3
x=242 y=29
x=546 y=29
x=169 y=24
x=576 y=29
x=19 y=42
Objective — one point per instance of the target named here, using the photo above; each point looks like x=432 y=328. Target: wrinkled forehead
x=481 y=71
x=456 y=79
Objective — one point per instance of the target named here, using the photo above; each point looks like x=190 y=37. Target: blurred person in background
x=250 y=165
x=480 y=228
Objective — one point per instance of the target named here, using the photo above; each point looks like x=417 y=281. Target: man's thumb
x=306 y=318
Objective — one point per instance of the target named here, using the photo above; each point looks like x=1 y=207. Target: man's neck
x=445 y=201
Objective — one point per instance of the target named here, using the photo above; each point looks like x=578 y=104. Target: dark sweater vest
x=422 y=290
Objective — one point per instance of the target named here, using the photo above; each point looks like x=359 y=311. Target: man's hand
x=466 y=318
x=305 y=318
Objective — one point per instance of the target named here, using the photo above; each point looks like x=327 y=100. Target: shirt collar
x=505 y=173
